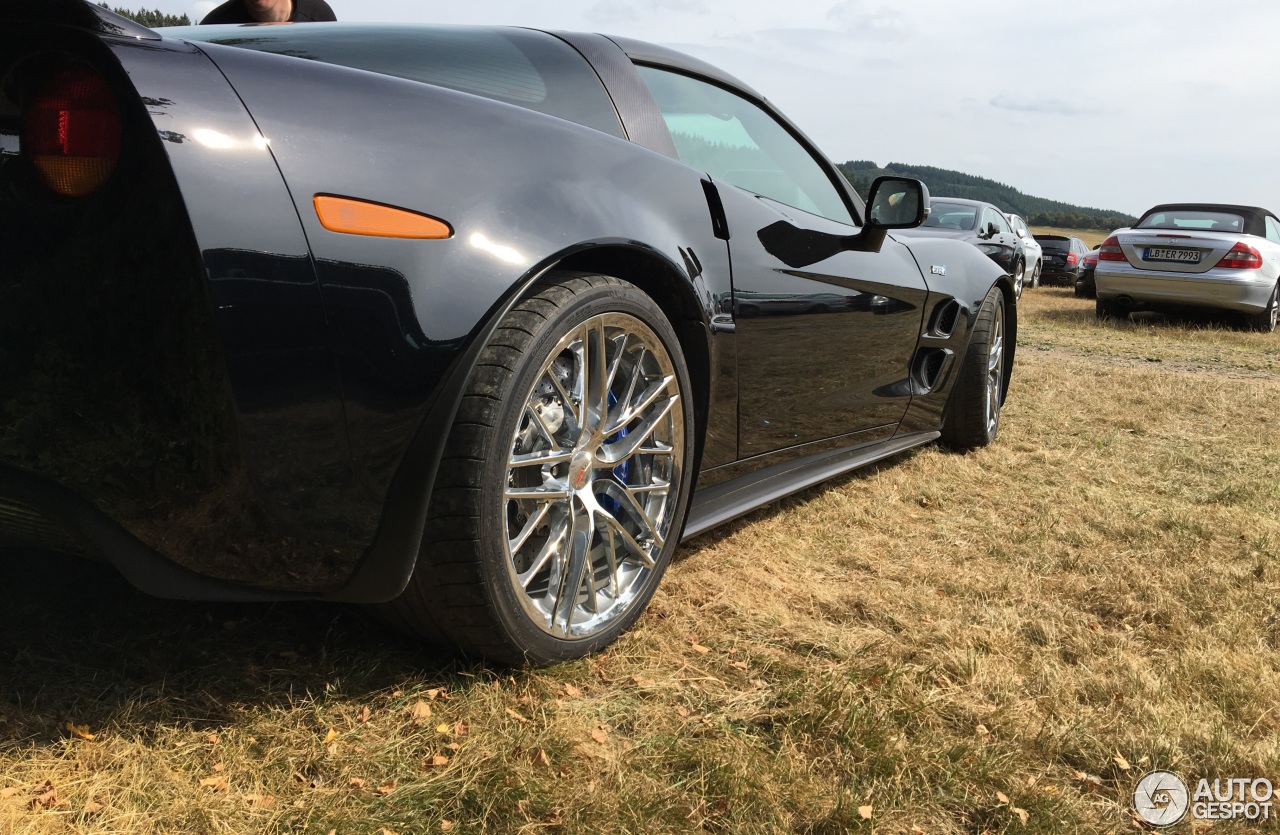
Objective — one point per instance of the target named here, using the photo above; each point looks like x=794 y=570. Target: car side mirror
x=893 y=203
x=991 y=230
x=897 y=203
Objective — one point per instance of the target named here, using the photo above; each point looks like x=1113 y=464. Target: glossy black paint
x=287 y=388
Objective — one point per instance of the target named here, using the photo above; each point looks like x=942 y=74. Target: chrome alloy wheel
x=995 y=371
x=591 y=476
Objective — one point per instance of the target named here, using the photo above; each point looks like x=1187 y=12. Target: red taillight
x=1241 y=257
x=71 y=132
x=1110 y=250
x=1071 y=258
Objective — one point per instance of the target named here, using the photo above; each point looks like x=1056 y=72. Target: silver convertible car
x=1194 y=256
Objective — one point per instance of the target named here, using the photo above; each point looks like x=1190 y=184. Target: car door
x=824 y=349
x=999 y=241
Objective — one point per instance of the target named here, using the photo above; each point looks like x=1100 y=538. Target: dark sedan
x=1063 y=259
x=980 y=224
x=473 y=325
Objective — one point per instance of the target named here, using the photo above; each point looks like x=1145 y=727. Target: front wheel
x=1019 y=276
x=1035 y=275
x=564 y=483
x=973 y=414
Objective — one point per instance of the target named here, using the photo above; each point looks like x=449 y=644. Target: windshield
x=951 y=215
x=1193 y=219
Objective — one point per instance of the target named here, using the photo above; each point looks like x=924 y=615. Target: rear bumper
x=1224 y=291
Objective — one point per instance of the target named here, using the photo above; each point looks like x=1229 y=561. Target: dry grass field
x=994 y=642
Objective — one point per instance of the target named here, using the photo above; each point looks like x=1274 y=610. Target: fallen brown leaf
x=356 y=783
x=330 y=737
x=1002 y=797
x=600 y=734
x=44 y=796
x=446 y=826
x=93 y=807
x=699 y=648
x=864 y=812
x=261 y=801
x=516 y=716
x=1121 y=762
x=364 y=714
x=79 y=731
x=387 y=787
x=420 y=713
x=218 y=784
x=437 y=761
x=213 y=739
x=220 y=767
x=461 y=728
x=1021 y=813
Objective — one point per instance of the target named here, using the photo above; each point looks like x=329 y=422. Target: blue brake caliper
x=622 y=472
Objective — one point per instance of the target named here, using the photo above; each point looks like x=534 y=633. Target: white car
x=1193 y=256
x=1035 y=257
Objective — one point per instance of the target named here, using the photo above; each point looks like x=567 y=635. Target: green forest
x=1037 y=211
x=151 y=19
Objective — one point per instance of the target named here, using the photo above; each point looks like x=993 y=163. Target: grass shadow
x=80 y=644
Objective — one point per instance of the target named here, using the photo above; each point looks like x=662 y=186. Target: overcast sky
x=1115 y=105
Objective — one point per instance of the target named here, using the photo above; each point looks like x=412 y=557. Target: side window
x=1002 y=224
x=739 y=143
x=1273 y=230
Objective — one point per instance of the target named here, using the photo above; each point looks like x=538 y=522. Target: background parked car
x=1085 y=288
x=980 y=224
x=1193 y=256
x=1031 y=248
x=1063 y=258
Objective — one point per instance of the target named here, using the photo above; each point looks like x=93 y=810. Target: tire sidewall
x=538 y=646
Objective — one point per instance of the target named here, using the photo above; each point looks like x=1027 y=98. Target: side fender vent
x=930 y=368
x=945 y=318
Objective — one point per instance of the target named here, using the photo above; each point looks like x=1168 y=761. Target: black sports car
x=471 y=324
x=982 y=225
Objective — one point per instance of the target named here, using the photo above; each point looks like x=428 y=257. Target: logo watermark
x=1162 y=799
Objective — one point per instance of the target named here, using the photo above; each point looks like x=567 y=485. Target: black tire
x=531 y=496
x=1105 y=309
x=1266 y=320
x=1035 y=275
x=973 y=411
x=1019 y=277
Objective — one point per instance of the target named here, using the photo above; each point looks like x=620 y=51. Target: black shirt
x=234 y=11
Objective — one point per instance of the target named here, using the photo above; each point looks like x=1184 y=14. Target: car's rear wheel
x=1266 y=320
x=565 y=479
x=973 y=413
x=1107 y=309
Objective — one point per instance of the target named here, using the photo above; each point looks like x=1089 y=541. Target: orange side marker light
x=360 y=217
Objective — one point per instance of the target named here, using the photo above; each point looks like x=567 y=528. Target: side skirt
x=731 y=499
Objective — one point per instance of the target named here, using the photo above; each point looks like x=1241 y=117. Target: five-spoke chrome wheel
x=590 y=475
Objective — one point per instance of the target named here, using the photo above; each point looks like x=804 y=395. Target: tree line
x=151 y=19
x=1036 y=211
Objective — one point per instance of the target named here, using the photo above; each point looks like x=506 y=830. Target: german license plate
x=1185 y=256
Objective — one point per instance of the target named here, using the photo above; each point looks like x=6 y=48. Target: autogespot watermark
x=1162 y=799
